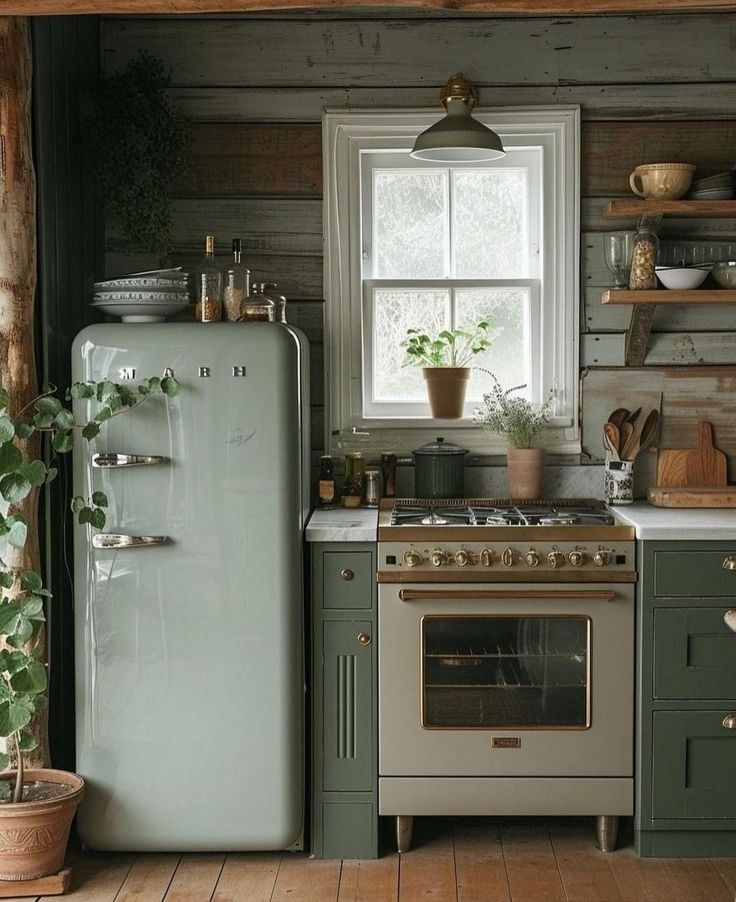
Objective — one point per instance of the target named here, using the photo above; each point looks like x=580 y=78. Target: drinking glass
x=618 y=247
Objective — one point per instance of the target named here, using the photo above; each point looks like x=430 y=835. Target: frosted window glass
x=394 y=312
x=410 y=224
x=490 y=224
x=508 y=356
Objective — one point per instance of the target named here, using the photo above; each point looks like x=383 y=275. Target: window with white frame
x=432 y=246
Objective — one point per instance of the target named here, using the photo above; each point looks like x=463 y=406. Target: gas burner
x=493 y=513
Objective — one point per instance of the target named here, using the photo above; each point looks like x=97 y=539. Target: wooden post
x=18 y=277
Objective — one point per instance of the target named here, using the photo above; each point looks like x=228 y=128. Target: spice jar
x=644 y=255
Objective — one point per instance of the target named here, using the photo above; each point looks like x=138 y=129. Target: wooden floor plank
x=427 y=872
x=640 y=879
x=96 y=877
x=479 y=865
x=585 y=870
x=149 y=878
x=370 y=881
x=306 y=880
x=248 y=877
x=696 y=880
x=195 y=878
x=726 y=867
x=530 y=862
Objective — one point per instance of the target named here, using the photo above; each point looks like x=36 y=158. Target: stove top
x=491 y=512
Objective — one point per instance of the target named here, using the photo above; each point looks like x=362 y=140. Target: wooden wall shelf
x=669 y=296
x=692 y=209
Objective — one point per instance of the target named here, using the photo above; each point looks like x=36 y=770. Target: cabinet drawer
x=694 y=654
x=348 y=579
x=682 y=574
x=694 y=765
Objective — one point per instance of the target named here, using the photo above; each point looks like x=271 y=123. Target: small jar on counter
x=326 y=482
x=372 y=488
x=257 y=308
x=352 y=493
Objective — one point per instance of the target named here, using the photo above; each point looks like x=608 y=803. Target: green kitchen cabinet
x=686 y=658
x=343 y=691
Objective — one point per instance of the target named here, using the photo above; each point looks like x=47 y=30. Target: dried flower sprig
x=516 y=418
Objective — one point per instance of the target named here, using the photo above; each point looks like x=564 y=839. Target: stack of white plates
x=143 y=297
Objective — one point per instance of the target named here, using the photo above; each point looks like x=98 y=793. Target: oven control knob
x=602 y=558
x=412 y=558
x=462 y=558
x=438 y=558
x=532 y=558
x=486 y=557
x=508 y=558
x=576 y=558
x=555 y=559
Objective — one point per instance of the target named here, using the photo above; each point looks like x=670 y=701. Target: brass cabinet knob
x=486 y=557
x=555 y=559
x=730 y=562
x=576 y=558
x=364 y=639
x=347 y=574
x=729 y=721
x=412 y=558
x=462 y=558
x=601 y=558
x=532 y=558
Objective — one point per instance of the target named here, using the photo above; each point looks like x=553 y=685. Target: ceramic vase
x=525 y=472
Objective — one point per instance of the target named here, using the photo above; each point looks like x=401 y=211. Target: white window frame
x=345 y=137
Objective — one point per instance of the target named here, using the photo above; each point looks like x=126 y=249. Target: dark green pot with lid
x=439 y=470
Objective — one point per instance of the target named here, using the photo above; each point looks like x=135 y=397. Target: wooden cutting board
x=706 y=465
x=692 y=496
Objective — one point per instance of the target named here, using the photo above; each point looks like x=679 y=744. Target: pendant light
x=458 y=138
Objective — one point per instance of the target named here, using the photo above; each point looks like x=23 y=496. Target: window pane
x=409 y=224
x=394 y=312
x=490 y=228
x=508 y=356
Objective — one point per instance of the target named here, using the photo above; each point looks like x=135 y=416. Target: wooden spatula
x=706 y=465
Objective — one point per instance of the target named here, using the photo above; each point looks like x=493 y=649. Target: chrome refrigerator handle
x=116 y=540
x=118 y=459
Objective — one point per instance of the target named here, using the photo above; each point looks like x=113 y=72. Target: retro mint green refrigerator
x=189 y=604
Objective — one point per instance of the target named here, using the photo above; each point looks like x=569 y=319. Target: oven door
x=493 y=680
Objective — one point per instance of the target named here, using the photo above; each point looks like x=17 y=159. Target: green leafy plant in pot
x=520 y=422
x=37 y=805
x=445 y=364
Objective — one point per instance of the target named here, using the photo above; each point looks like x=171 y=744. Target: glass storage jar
x=644 y=255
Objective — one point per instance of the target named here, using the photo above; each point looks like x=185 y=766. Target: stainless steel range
x=506 y=661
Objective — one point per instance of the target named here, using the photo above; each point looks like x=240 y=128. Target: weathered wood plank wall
x=650 y=88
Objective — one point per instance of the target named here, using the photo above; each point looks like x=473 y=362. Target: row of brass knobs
x=555 y=559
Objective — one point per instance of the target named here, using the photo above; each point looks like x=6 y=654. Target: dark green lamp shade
x=458 y=138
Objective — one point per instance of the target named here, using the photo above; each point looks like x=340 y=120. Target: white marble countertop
x=343 y=524
x=665 y=523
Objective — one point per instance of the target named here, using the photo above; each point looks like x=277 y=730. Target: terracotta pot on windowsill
x=446 y=387
x=525 y=472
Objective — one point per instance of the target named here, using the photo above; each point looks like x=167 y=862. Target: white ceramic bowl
x=725 y=274
x=132 y=312
x=684 y=278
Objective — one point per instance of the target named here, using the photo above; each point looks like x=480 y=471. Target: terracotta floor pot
x=34 y=835
x=526 y=472
x=446 y=387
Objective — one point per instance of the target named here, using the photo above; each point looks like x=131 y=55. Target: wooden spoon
x=626 y=433
x=613 y=439
x=618 y=416
x=648 y=431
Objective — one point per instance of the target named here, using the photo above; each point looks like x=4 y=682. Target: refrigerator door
x=189 y=663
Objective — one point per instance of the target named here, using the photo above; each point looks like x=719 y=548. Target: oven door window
x=482 y=673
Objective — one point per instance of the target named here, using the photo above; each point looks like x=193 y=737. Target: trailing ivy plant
x=139 y=146
x=23 y=679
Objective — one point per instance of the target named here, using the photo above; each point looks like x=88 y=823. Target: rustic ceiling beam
x=489 y=7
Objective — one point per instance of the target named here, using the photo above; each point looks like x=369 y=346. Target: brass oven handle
x=460 y=594
x=729 y=721
x=729 y=563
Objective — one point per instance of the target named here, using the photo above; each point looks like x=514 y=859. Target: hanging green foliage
x=139 y=145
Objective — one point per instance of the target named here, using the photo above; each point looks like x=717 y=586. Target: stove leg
x=404 y=831
x=606 y=828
